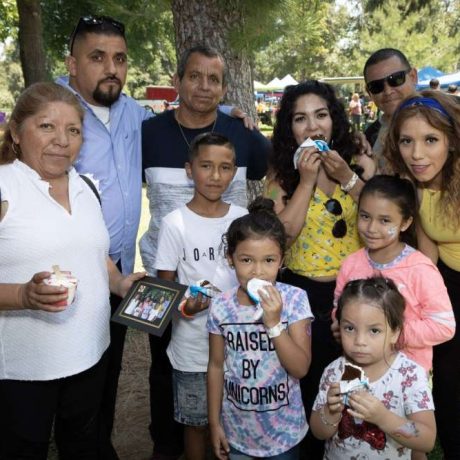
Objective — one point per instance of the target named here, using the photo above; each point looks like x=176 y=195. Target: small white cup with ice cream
x=63 y=278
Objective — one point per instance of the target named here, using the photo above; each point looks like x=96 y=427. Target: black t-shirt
x=163 y=145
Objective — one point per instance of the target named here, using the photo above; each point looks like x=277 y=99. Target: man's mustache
x=110 y=79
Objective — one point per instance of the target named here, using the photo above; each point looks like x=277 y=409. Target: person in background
x=452 y=89
x=53 y=358
x=434 y=84
x=355 y=111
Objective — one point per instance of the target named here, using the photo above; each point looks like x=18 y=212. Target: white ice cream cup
x=66 y=280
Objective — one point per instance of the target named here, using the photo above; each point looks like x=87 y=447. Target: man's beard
x=108 y=97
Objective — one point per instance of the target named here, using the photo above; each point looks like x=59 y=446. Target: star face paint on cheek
x=392 y=231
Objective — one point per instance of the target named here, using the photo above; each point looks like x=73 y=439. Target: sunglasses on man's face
x=94 y=21
x=339 y=230
x=395 y=79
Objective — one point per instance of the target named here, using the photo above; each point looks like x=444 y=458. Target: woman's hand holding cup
x=36 y=295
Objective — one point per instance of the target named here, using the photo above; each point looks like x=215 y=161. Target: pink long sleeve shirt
x=428 y=318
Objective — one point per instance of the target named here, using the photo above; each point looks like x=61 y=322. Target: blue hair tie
x=425 y=102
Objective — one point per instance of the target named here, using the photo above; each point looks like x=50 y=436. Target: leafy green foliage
x=306 y=38
x=315 y=39
x=10 y=18
x=308 y=30
x=426 y=36
x=11 y=81
x=260 y=22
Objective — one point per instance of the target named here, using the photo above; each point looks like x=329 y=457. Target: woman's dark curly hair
x=284 y=144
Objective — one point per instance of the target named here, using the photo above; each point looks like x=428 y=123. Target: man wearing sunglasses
x=389 y=80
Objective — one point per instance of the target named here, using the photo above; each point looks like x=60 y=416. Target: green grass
x=436 y=453
x=266 y=130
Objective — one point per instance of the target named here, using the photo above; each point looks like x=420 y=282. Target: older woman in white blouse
x=52 y=363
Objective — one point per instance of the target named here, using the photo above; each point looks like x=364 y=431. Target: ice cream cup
x=63 y=279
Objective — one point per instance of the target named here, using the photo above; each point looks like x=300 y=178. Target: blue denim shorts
x=190 y=403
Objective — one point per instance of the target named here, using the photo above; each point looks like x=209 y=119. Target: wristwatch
x=276 y=330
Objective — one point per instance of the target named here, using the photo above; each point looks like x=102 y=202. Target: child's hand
x=335 y=328
x=334 y=399
x=196 y=304
x=219 y=442
x=272 y=304
x=365 y=406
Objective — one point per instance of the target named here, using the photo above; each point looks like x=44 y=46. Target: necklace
x=182 y=131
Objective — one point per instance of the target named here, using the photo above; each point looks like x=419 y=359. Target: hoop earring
x=13 y=147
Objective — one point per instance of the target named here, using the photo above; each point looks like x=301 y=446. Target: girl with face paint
x=385 y=215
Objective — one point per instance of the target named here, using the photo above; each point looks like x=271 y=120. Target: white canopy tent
x=275 y=85
x=288 y=80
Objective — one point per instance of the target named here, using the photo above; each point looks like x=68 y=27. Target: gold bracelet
x=323 y=418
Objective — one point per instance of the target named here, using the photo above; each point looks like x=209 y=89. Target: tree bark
x=31 y=50
x=209 y=22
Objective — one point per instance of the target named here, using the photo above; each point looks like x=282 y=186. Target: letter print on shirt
x=257 y=381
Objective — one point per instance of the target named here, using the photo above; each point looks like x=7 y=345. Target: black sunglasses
x=339 y=230
x=395 y=79
x=94 y=21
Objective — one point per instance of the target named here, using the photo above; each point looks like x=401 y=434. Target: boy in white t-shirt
x=189 y=249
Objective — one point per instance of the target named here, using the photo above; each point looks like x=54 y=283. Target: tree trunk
x=209 y=22
x=31 y=48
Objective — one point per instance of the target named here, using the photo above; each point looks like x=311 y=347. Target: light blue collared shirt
x=113 y=160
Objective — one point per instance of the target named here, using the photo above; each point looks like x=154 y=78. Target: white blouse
x=35 y=234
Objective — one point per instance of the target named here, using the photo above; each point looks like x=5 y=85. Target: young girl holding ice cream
x=255 y=362
x=393 y=411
